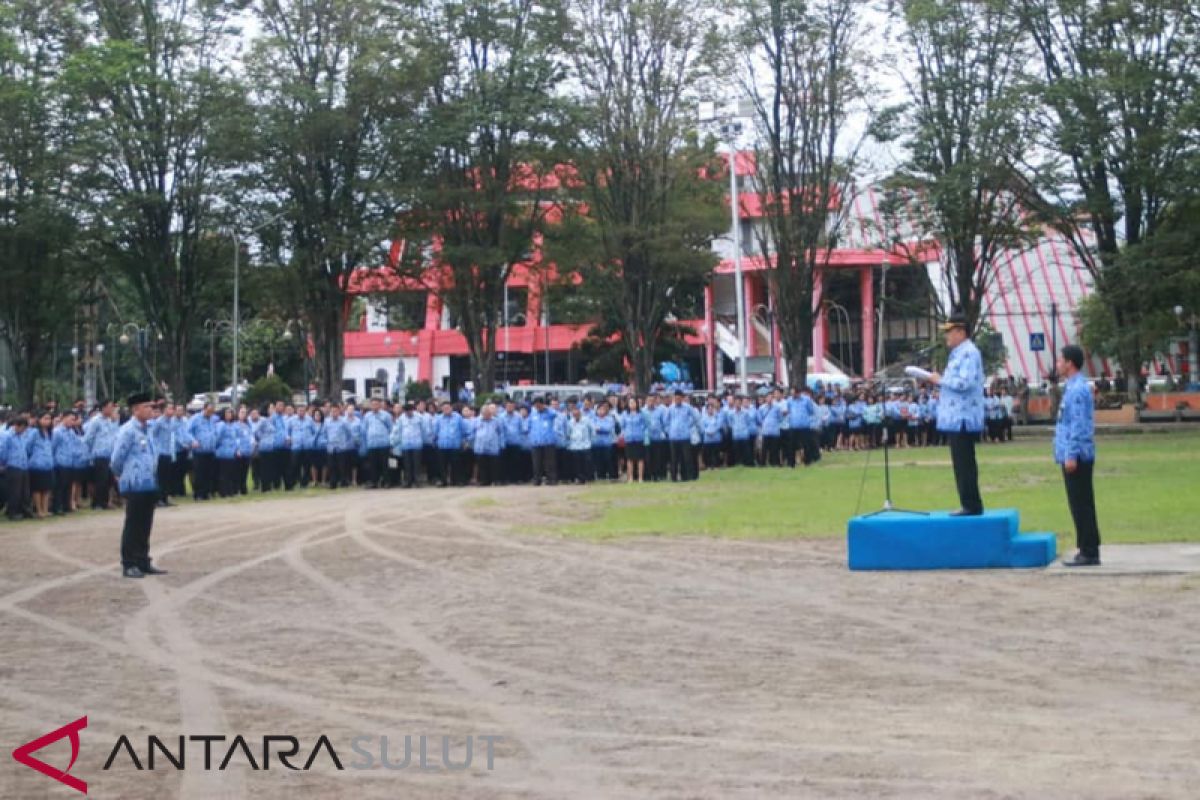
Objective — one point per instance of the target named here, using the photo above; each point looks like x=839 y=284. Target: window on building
x=514 y=313
x=405 y=310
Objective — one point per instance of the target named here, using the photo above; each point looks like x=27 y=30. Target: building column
x=820 y=325
x=750 y=295
x=710 y=361
x=866 y=295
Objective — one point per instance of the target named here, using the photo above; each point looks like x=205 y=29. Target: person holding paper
x=960 y=411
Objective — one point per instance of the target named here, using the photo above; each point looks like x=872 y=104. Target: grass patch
x=1146 y=491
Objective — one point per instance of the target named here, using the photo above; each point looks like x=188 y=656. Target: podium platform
x=898 y=541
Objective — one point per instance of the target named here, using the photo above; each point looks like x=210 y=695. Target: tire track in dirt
x=550 y=760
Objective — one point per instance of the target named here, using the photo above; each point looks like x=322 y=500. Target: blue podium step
x=899 y=541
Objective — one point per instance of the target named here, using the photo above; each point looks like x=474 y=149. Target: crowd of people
x=55 y=462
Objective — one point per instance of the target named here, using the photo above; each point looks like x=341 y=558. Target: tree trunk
x=27 y=370
x=327 y=324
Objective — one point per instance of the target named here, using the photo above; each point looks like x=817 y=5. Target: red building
x=864 y=296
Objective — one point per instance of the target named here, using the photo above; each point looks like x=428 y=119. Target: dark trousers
x=243 y=475
x=811 y=443
x=227 y=475
x=771 y=451
x=966 y=471
x=545 y=464
x=203 y=475
x=412 y=463
x=139 y=519
x=510 y=464
x=16 y=491
x=179 y=472
x=604 y=460
x=166 y=477
x=298 y=470
x=377 y=459
x=581 y=465
x=340 y=464
x=102 y=478
x=489 y=466
x=712 y=455
x=743 y=452
x=267 y=478
x=682 y=460
x=660 y=456
x=1081 y=497
x=791 y=443
x=448 y=466
x=60 y=498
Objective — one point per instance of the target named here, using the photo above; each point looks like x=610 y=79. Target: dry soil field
x=658 y=668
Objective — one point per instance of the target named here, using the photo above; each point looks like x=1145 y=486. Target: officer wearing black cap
x=960 y=410
x=135 y=463
x=1075 y=452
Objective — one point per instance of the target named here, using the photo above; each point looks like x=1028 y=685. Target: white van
x=563 y=391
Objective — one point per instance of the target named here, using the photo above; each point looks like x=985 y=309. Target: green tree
x=969 y=128
x=484 y=187
x=162 y=134
x=1118 y=84
x=641 y=234
x=333 y=101
x=42 y=272
x=805 y=161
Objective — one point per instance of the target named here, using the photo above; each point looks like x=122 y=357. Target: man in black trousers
x=1075 y=452
x=960 y=411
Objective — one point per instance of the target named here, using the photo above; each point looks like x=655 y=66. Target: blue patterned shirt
x=134 y=458
x=961 y=406
x=1074 y=434
x=99 y=434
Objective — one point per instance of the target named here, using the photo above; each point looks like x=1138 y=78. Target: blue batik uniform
x=1074 y=435
x=299 y=431
x=227 y=441
x=134 y=459
x=14 y=454
x=99 y=436
x=541 y=428
x=203 y=432
x=658 y=424
x=320 y=442
x=377 y=427
x=800 y=412
x=682 y=421
x=408 y=433
x=245 y=438
x=264 y=434
x=68 y=449
x=489 y=436
x=183 y=436
x=854 y=414
x=770 y=418
x=579 y=434
x=635 y=425
x=40 y=449
x=355 y=424
x=745 y=424
x=914 y=415
x=960 y=409
x=837 y=412
x=448 y=431
x=512 y=429
x=338 y=437
x=712 y=425
x=605 y=430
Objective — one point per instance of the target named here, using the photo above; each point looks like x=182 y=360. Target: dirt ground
x=656 y=668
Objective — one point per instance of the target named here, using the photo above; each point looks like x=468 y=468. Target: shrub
x=417 y=390
x=268 y=389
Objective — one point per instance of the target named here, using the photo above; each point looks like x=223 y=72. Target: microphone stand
x=887 y=484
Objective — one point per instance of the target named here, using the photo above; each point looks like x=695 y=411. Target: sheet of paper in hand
x=918 y=373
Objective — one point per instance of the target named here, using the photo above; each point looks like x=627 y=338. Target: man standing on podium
x=960 y=411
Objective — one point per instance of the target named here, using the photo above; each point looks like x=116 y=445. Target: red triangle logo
x=23 y=754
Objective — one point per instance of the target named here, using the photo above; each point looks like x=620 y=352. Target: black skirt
x=635 y=451
x=41 y=480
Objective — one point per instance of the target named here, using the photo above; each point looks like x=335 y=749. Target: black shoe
x=962 y=512
x=150 y=569
x=1080 y=560
x=133 y=572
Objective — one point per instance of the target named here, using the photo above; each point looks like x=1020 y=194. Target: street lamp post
x=237 y=252
x=731 y=130
x=303 y=340
x=1193 y=344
